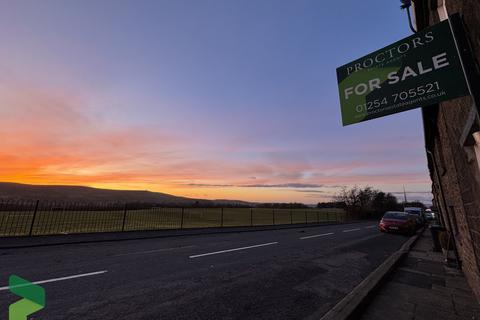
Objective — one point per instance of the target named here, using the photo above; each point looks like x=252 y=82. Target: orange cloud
x=53 y=137
x=49 y=137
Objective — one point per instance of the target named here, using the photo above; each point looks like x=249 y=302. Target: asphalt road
x=295 y=273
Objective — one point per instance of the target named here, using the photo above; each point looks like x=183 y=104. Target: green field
x=45 y=222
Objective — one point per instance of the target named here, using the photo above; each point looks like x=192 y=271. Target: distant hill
x=18 y=191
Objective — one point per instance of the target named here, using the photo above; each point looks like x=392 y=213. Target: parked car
x=397 y=221
x=429 y=216
x=417 y=212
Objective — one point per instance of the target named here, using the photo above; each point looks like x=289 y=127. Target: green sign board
x=418 y=71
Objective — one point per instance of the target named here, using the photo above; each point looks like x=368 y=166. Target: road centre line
x=59 y=279
x=317 y=235
x=369 y=227
x=230 y=250
x=350 y=230
x=153 y=251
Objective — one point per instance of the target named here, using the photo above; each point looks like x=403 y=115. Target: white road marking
x=153 y=251
x=230 y=250
x=350 y=230
x=369 y=227
x=60 y=279
x=317 y=235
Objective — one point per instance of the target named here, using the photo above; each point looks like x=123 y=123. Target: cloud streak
x=62 y=141
x=291 y=185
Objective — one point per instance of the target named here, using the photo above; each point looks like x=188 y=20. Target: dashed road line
x=317 y=235
x=369 y=227
x=230 y=250
x=350 y=230
x=61 y=279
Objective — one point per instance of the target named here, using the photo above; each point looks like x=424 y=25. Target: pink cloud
x=50 y=136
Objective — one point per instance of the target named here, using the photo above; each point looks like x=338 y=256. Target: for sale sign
x=417 y=71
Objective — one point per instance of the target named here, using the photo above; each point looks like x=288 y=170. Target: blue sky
x=213 y=99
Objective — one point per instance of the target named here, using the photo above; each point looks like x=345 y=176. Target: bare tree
x=366 y=202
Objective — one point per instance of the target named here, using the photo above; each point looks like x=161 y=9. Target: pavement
x=296 y=273
x=423 y=287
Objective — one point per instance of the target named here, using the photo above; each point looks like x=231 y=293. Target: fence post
x=221 y=223
x=306 y=221
x=33 y=218
x=181 y=222
x=273 y=216
x=251 y=217
x=124 y=216
x=291 y=216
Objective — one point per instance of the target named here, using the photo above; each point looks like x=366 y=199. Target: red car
x=397 y=221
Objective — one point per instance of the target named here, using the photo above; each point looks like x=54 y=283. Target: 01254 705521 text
x=419 y=91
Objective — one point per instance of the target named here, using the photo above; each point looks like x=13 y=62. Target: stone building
x=452 y=142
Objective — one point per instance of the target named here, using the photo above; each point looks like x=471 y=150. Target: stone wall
x=455 y=158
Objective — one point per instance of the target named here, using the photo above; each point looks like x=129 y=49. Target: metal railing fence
x=32 y=218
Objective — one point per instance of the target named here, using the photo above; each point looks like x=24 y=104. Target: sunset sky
x=208 y=99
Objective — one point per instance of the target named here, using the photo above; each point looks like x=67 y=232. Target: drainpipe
x=435 y=168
